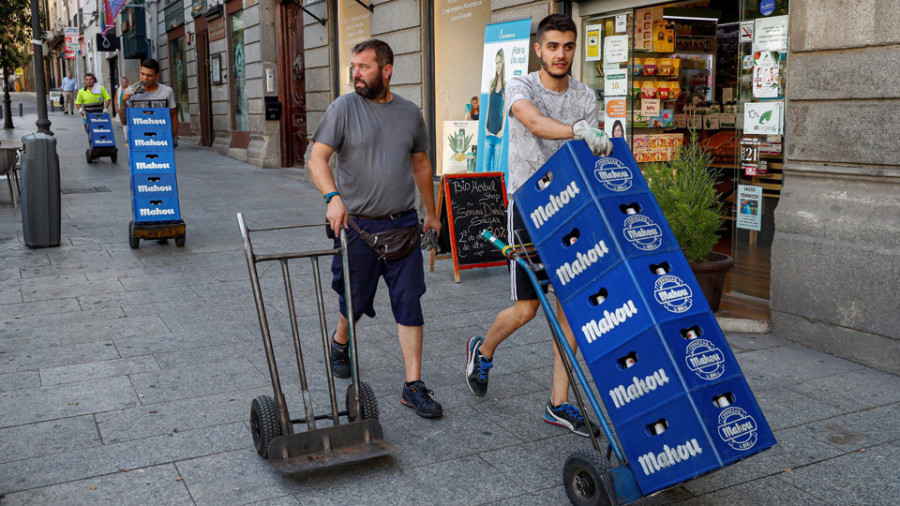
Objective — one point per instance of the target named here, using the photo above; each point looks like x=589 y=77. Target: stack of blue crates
x=154 y=190
x=667 y=377
x=100 y=133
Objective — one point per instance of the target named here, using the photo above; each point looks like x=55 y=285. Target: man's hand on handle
x=595 y=138
x=337 y=215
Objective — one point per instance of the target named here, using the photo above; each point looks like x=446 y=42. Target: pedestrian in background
x=120 y=92
x=546 y=109
x=69 y=85
x=382 y=156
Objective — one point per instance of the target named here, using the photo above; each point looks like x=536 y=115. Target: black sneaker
x=477 y=367
x=340 y=359
x=568 y=416
x=417 y=396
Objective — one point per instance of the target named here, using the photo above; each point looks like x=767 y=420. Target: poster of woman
x=505 y=57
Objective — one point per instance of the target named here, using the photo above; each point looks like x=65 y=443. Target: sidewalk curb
x=744 y=325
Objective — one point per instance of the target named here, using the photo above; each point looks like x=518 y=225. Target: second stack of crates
x=667 y=377
x=154 y=189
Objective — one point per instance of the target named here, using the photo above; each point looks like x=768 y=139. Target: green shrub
x=685 y=190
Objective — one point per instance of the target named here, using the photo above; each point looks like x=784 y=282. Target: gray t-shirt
x=528 y=152
x=373 y=142
x=162 y=96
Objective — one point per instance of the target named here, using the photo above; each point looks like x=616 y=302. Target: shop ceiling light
x=683 y=14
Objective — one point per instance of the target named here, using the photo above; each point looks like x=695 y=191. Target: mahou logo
x=613 y=174
x=737 y=428
x=642 y=232
x=705 y=359
x=673 y=294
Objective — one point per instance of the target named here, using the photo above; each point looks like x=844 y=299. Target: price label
x=749 y=150
x=616 y=82
x=650 y=107
x=750 y=170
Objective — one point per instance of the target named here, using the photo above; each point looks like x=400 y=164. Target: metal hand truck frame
x=361 y=437
x=587 y=475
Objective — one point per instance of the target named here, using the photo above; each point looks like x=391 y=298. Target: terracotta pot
x=711 y=277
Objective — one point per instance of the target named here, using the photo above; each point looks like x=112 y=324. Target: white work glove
x=135 y=88
x=595 y=138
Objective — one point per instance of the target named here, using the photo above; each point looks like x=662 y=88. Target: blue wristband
x=329 y=196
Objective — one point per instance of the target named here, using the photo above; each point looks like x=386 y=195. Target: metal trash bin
x=40 y=191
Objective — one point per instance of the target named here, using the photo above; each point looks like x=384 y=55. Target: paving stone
x=552 y=495
x=796 y=448
x=94 y=370
x=784 y=407
x=151 y=485
x=111 y=458
x=862 y=429
x=741 y=343
x=65 y=287
x=769 y=490
x=143 y=299
x=789 y=365
x=861 y=477
x=177 y=416
x=59 y=401
x=87 y=331
x=55 y=356
x=40 y=307
x=196 y=381
x=19 y=380
x=854 y=390
x=202 y=336
x=48 y=438
x=535 y=465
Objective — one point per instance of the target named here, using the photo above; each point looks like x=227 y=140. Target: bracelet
x=329 y=196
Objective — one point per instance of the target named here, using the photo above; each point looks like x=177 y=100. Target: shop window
x=238 y=73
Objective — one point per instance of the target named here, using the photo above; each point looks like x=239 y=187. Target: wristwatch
x=329 y=196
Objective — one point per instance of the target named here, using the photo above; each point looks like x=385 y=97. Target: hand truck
x=360 y=437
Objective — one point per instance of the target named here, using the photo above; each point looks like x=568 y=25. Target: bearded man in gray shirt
x=546 y=109
x=382 y=156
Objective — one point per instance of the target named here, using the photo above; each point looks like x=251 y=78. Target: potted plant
x=685 y=190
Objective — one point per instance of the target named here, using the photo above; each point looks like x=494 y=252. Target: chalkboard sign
x=471 y=203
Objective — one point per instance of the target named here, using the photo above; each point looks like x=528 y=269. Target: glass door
x=606 y=69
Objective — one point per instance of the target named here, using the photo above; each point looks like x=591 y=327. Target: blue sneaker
x=568 y=416
x=340 y=359
x=417 y=396
x=477 y=367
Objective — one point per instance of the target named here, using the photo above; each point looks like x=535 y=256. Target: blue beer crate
x=736 y=425
x=672 y=294
x=635 y=377
x=581 y=249
x=606 y=313
x=147 y=162
x=610 y=176
x=149 y=129
x=100 y=132
x=699 y=350
x=159 y=185
x=638 y=224
x=667 y=445
x=156 y=209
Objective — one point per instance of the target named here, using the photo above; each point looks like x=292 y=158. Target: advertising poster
x=763 y=118
x=459 y=46
x=616 y=49
x=765 y=75
x=615 y=83
x=459 y=146
x=506 y=48
x=71 y=34
x=749 y=201
x=615 y=122
x=592 y=43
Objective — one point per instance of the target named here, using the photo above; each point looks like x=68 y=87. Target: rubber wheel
x=179 y=241
x=367 y=402
x=114 y=158
x=163 y=241
x=583 y=479
x=133 y=241
x=264 y=424
x=87 y=155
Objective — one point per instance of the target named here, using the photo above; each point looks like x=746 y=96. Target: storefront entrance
x=715 y=67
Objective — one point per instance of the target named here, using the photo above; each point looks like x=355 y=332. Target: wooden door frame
x=204 y=86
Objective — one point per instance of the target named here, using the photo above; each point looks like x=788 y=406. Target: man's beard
x=550 y=69
x=370 y=91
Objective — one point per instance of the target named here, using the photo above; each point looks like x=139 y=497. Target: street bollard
x=21 y=110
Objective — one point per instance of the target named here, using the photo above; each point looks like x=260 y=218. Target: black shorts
x=520 y=284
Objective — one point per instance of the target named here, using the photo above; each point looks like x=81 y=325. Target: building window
x=238 y=74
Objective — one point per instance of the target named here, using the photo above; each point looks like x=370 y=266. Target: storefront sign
x=771 y=34
x=71 y=42
x=217 y=29
x=749 y=215
x=615 y=122
x=459 y=150
x=766 y=7
x=747 y=31
x=763 y=118
x=765 y=75
x=616 y=50
x=621 y=23
x=592 y=43
x=509 y=43
x=616 y=83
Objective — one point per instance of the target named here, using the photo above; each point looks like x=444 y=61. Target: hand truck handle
x=505 y=249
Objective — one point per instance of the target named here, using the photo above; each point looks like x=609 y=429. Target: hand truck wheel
x=587 y=480
x=264 y=424
x=87 y=155
x=133 y=241
x=367 y=403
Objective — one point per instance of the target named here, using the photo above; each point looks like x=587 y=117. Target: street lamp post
x=42 y=123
